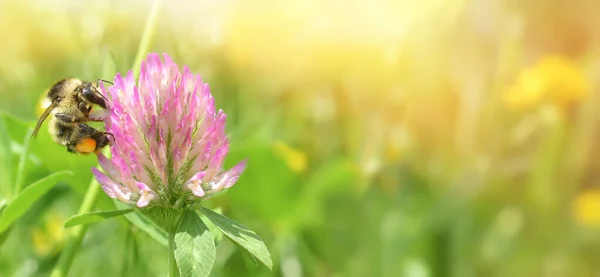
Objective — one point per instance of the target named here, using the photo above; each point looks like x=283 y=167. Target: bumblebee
x=70 y=102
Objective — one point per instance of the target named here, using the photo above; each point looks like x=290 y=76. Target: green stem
x=77 y=233
x=173 y=270
x=146 y=38
x=22 y=161
x=126 y=246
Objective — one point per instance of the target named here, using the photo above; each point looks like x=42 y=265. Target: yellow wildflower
x=295 y=159
x=553 y=80
x=50 y=236
x=586 y=210
x=41 y=243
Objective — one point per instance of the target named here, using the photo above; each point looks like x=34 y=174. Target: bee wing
x=42 y=118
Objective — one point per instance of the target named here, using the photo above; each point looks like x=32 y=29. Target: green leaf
x=20 y=204
x=149 y=227
x=217 y=234
x=4 y=235
x=144 y=224
x=5 y=158
x=241 y=235
x=19 y=179
x=16 y=127
x=92 y=217
x=194 y=246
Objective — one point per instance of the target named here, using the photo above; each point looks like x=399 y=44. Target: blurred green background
x=384 y=138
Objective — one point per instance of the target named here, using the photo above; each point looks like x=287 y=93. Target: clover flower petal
x=168 y=140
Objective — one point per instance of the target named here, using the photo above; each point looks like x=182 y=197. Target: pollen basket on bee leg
x=86 y=146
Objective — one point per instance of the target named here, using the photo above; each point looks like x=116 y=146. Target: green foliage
x=217 y=234
x=5 y=159
x=144 y=224
x=276 y=186
x=55 y=157
x=241 y=235
x=22 y=160
x=92 y=217
x=21 y=203
x=194 y=248
x=52 y=156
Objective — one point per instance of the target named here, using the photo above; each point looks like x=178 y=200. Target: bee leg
x=68 y=118
x=101 y=139
x=91 y=144
x=109 y=134
x=84 y=145
x=85 y=109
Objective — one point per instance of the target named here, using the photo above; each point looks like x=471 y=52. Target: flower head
x=586 y=208
x=553 y=80
x=168 y=142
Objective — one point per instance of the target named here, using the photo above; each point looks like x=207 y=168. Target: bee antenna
x=109 y=82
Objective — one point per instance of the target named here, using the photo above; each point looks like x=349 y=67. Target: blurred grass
x=385 y=138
